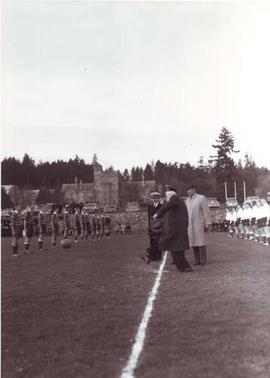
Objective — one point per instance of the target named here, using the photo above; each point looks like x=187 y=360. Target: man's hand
x=155 y=216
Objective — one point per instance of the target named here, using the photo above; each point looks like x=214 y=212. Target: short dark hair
x=192 y=186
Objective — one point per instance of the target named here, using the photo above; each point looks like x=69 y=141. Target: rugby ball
x=66 y=243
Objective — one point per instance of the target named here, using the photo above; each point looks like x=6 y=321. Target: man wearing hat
x=174 y=234
x=154 y=229
x=199 y=224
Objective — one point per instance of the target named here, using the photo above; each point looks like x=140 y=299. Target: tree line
x=209 y=176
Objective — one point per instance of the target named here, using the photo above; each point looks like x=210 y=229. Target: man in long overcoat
x=199 y=224
x=174 y=234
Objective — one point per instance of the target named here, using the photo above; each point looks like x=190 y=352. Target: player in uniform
x=87 y=224
x=260 y=222
x=232 y=221
x=15 y=232
x=246 y=220
x=241 y=215
x=107 y=226
x=264 y=221
x=66 y=219
x=94 y=227
x=235 y=223
x=28 y=227
x=83 y=225
x=54 y=226
x=238 y=221
x=77 y=224
x=267 y=227
x=257 y=215
x=102 y=221
x=98 y=229
x=41 y=229
x=229 y=220
x=252 y=221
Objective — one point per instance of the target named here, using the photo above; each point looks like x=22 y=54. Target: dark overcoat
x=152 y=210
x=174 y=235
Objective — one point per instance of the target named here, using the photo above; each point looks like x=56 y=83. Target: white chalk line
x=128 y=371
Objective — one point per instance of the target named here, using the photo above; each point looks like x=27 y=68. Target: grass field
x=75 y=313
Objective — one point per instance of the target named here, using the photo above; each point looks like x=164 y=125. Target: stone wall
x=137 y=220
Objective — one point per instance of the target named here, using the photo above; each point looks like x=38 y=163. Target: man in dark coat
x=153 y=252
x=174 y=234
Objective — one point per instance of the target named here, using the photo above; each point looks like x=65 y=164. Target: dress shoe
x=146 y=259
x=186 y=270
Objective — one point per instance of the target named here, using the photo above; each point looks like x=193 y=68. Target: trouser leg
x=196 y=251
x=180 y=260
x=203 y=256
x=154 y=252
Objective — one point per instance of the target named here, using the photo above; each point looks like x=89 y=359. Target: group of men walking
x=176 y=226
x=82 y=225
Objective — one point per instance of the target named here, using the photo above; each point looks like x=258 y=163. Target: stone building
x=106 y=186
x=104 y=190
x=78 y=192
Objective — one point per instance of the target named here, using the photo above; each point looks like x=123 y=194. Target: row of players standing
x=250 y=221
x=82 y=224
x=85 y=225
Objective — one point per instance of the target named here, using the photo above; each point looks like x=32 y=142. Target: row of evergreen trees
x=208 y=176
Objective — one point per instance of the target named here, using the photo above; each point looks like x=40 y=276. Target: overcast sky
x=134 y=81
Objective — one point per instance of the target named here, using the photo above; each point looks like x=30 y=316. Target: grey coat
x=199 y=218
x=174 y=234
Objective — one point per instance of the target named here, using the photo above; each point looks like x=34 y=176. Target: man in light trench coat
x=199 y=224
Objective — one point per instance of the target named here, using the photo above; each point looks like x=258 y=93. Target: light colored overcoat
x=199 y=217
